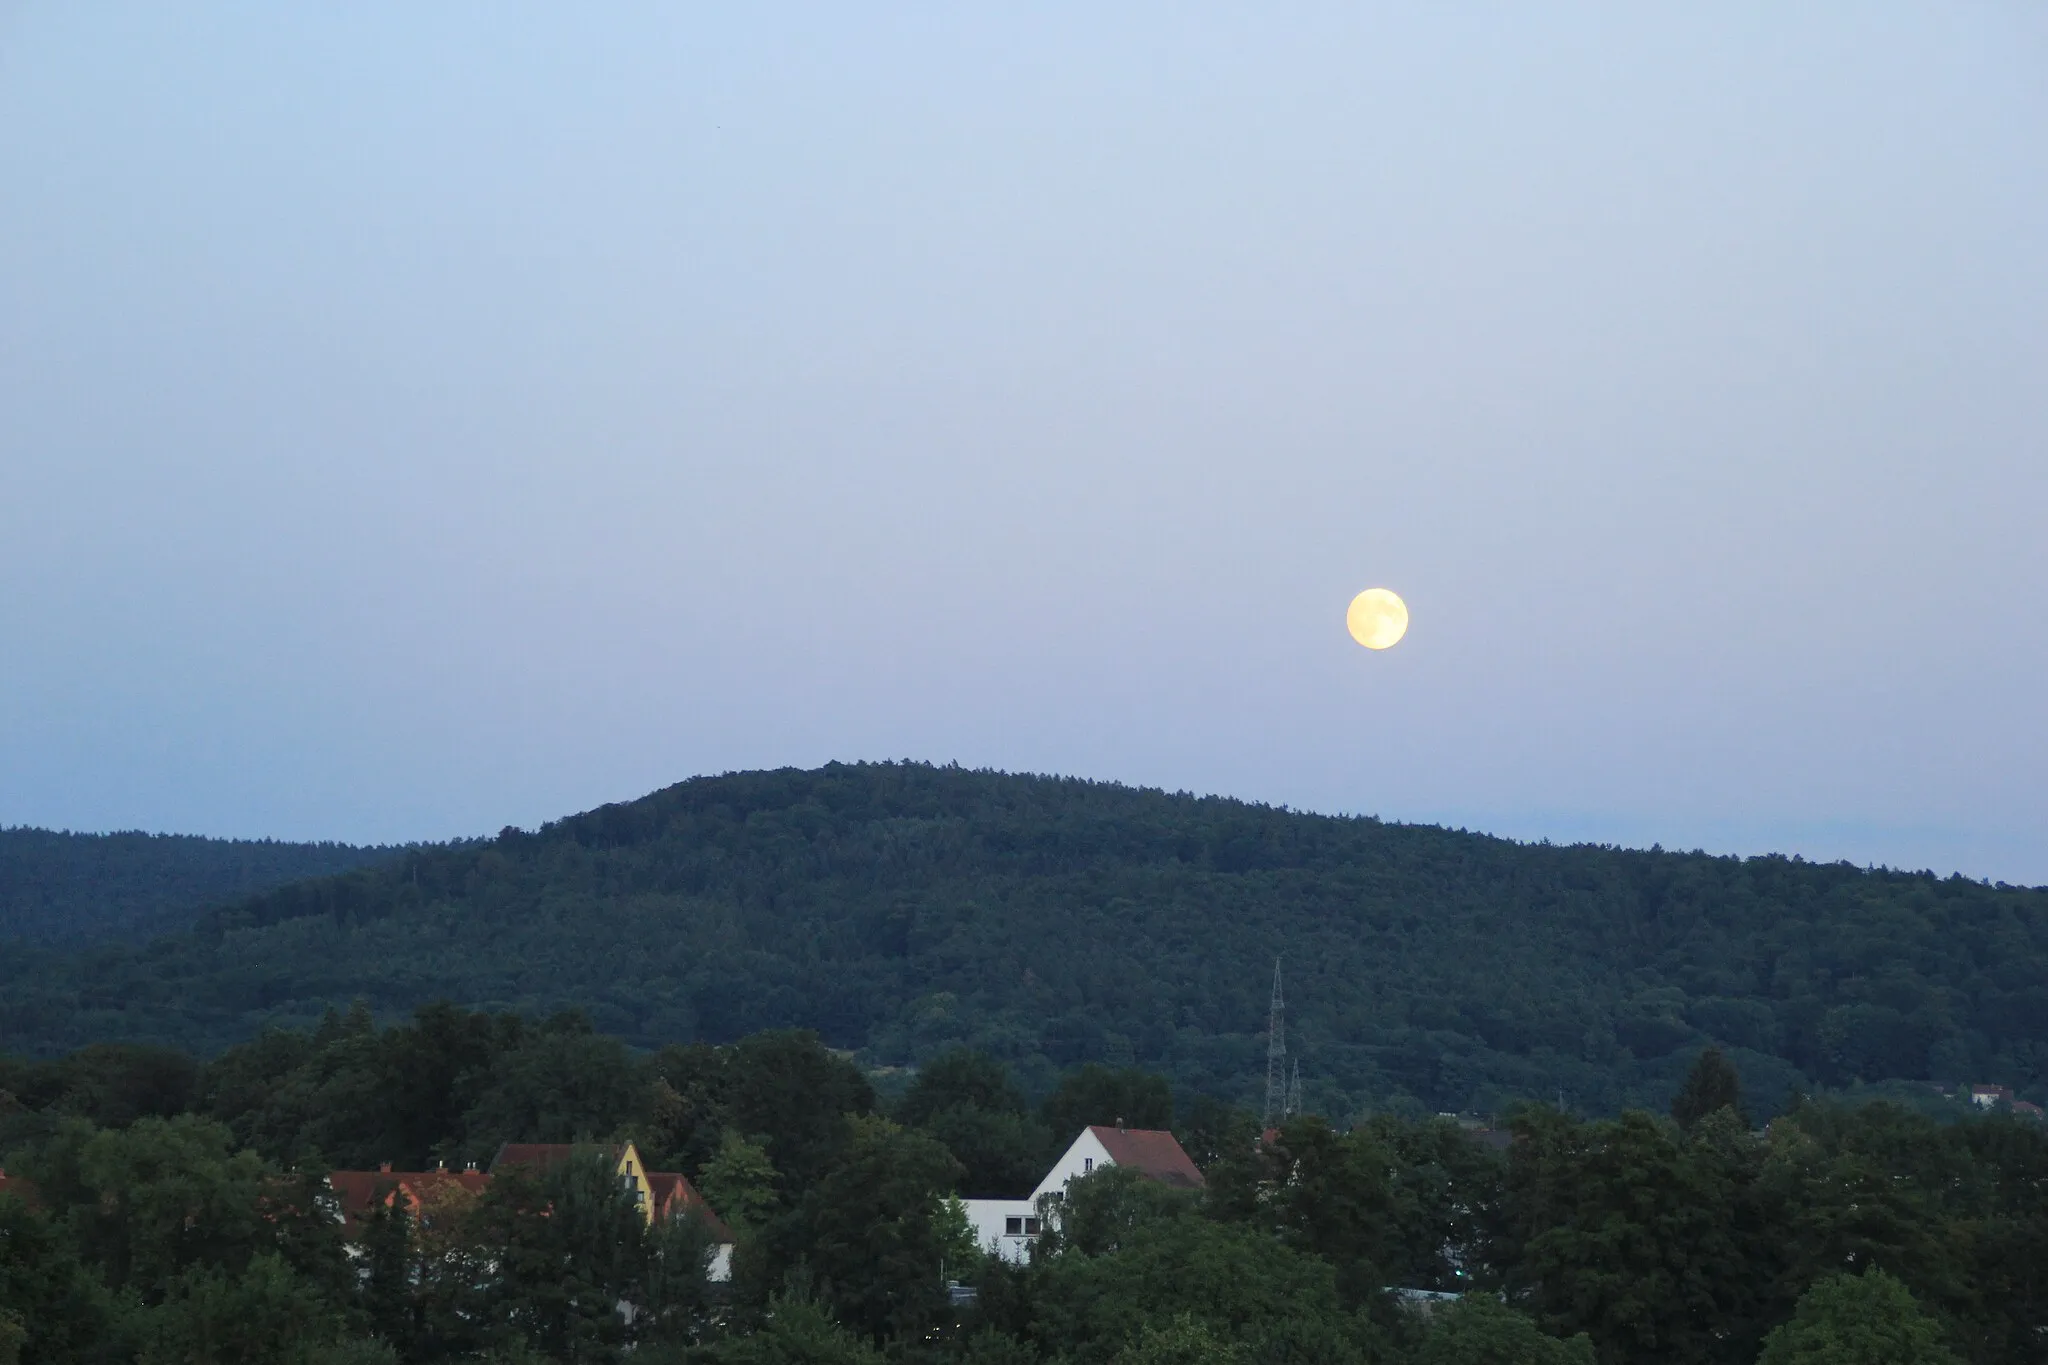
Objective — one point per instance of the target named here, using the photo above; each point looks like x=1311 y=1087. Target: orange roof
x=674 y=1194
x=361 y=1192
x=1152 y=1152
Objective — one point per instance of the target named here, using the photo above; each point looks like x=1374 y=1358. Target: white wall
x=990 y=1220
x=1086 y=1154
x=990 y=1217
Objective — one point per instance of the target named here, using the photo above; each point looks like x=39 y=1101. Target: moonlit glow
x=1377 y=619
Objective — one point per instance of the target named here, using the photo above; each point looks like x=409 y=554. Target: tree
x=739 y=1182
x=266 y=1315
x=1711 y=1085
x=1185 y=1340
x=153 y=1200
x=967 y=1100
x=1625 y=1231
x=1481 y=1330
x=1867 y=1319
x=565 y=1085
x=786 y=1089
x=51 y=1309
x=1099 y=1095
x=1232 y=1279
x=1332 y=1195
x=796 y=1331
x=570 y=1243
x=876 y=1231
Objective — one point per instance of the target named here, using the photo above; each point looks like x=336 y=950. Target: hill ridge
x=900 y=907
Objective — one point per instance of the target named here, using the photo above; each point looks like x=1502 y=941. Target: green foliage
x=796 y=1331
x=150 y=1202
x=968 y=1101
x=51 y=1308
x=1628 y=1232
x=877 y=1230
x=1634 y=1239
x=266 y=1315
x=1184 y=1341
x=566 y=1084
x=1710 y=1086
x=570 y=1245
x=1235 y=1282
x=1099 y=1095
x=786 y=1089
x=1867 y=1319
x=905 y=910
x=1480 y=1330
x=740 y=1182
x=79 y=888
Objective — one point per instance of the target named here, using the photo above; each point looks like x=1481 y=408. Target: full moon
x=1377 y=619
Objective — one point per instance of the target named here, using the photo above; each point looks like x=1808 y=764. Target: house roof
x=540 y=1155
x=1150 y=1151
x=361 y=1192
x=674 y=1194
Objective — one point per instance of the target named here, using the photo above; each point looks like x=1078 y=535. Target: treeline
x=177 y=1214
x=80 y=888
x=902 y=910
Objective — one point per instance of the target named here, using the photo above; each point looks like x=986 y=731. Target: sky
x=416 y=420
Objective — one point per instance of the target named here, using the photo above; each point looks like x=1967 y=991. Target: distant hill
x=79 y=888
x=899 y=908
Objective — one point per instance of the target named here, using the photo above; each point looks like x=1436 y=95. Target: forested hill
x=898 y=908
x=76 y=888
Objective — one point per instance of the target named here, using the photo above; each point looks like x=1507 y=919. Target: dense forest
x=900 y=910
x=78 y=888
x=160 y=1208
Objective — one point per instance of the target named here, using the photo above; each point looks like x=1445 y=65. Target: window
x=1014 y=1227
x=1087 y=1164
x=1031 y=1226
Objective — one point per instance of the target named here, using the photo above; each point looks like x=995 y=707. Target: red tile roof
x=674 y=1194
x=1150 y=1151
x=361 y=1192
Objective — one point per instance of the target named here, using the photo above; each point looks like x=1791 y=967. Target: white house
x=1008 y=1227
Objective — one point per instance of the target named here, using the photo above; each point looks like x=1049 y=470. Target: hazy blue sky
x=420 y=419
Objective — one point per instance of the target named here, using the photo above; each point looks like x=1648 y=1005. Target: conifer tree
x=1711 y=1085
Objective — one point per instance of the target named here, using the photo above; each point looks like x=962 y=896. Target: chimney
x=384 y=1168
x=441 y=1165
x=1120 y=1123
x=470 y=1169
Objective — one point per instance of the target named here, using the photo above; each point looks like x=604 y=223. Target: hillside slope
x=76 y=888
x=896 y=908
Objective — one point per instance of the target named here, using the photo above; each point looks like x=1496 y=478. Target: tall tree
x=1711 y=1085
x=875 y=1230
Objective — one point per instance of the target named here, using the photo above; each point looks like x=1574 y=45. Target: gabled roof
x=674 y=1194
x=541 y=1155
x=1152 y=1152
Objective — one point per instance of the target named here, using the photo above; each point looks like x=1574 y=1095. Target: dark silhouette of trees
x=1711 y=1085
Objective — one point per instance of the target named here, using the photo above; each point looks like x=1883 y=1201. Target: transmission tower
x=1294 y=1091
x=1276 y=1055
